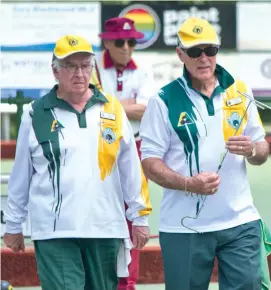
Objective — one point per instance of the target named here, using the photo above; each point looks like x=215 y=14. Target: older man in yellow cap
x=197 y=134
x=76 y=162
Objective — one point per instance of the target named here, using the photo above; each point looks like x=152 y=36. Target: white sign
x=252 y=68
x=33 y=70
x=253 y=26
x=26 y=226
x=26 y=70
x=37 y=26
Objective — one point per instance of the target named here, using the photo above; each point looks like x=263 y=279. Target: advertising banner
x=159 y=21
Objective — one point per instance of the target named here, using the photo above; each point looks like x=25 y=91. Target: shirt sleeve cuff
x=13 y=228
x=141 y=221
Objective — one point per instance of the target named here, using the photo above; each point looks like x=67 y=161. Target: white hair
x=56 y=64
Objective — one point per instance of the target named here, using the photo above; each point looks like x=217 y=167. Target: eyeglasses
x=86 y=68
x=121 y=42
x=195 y=52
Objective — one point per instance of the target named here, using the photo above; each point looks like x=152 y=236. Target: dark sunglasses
x=120 y=42
x=195 y=52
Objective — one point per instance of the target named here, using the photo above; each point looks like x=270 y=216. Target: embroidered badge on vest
x=234 y=120
x=108 y=135
x=185 y=119
x=56 y=126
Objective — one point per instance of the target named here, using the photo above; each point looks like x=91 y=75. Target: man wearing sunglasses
x=117 y=74
x=207 y=209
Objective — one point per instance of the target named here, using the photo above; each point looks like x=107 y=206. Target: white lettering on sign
x=173 y=20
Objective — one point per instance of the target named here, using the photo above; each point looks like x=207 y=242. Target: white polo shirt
x=132 y=82
x=74 y=171
x=188 y=131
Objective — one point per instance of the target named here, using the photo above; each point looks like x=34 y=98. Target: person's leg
x=59 y=264
x=238 y=256
x=100 y=262
x=188 y=260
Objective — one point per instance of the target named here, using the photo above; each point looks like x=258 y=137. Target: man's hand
x=140 y=236
x=133 y=110
x=240 y=145
x=15 y=242
x=203 y=183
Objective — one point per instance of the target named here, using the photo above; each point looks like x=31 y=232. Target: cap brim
x=73 y=52
x=121 y=35
x=197 y=43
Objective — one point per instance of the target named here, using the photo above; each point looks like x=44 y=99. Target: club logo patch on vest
x=185 y=119
x=108 y=135
x=56 y=126
x=234 y=120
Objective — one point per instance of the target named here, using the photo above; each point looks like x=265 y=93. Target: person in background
x=117 y=73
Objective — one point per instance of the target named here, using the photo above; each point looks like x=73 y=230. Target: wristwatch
x=253 y=152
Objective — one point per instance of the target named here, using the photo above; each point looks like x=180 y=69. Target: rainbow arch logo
x=146 y=21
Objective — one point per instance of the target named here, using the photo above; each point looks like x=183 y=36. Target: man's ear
x=55 y=73
x=106 y=43
x=179 y=53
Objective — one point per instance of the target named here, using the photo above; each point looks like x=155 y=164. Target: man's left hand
x=140 y=236
x=240 y=145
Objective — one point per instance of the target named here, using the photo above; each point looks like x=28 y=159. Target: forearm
x=262 y=152
x=156 y=170
x=134 y=111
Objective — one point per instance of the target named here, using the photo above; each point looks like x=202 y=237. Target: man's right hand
x=205 y=183
x=15 y=242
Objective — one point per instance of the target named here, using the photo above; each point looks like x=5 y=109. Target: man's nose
x=203 y=56
x=79 y=71
x=126 y=45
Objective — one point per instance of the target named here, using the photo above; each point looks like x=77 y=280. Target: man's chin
x=78 y=90
x=124 y=62
x=205 y=76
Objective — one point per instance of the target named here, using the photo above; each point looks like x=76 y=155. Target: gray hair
x=56 y=64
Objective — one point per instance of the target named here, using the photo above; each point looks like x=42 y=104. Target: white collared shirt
x=232 y=205
x=67 y=197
